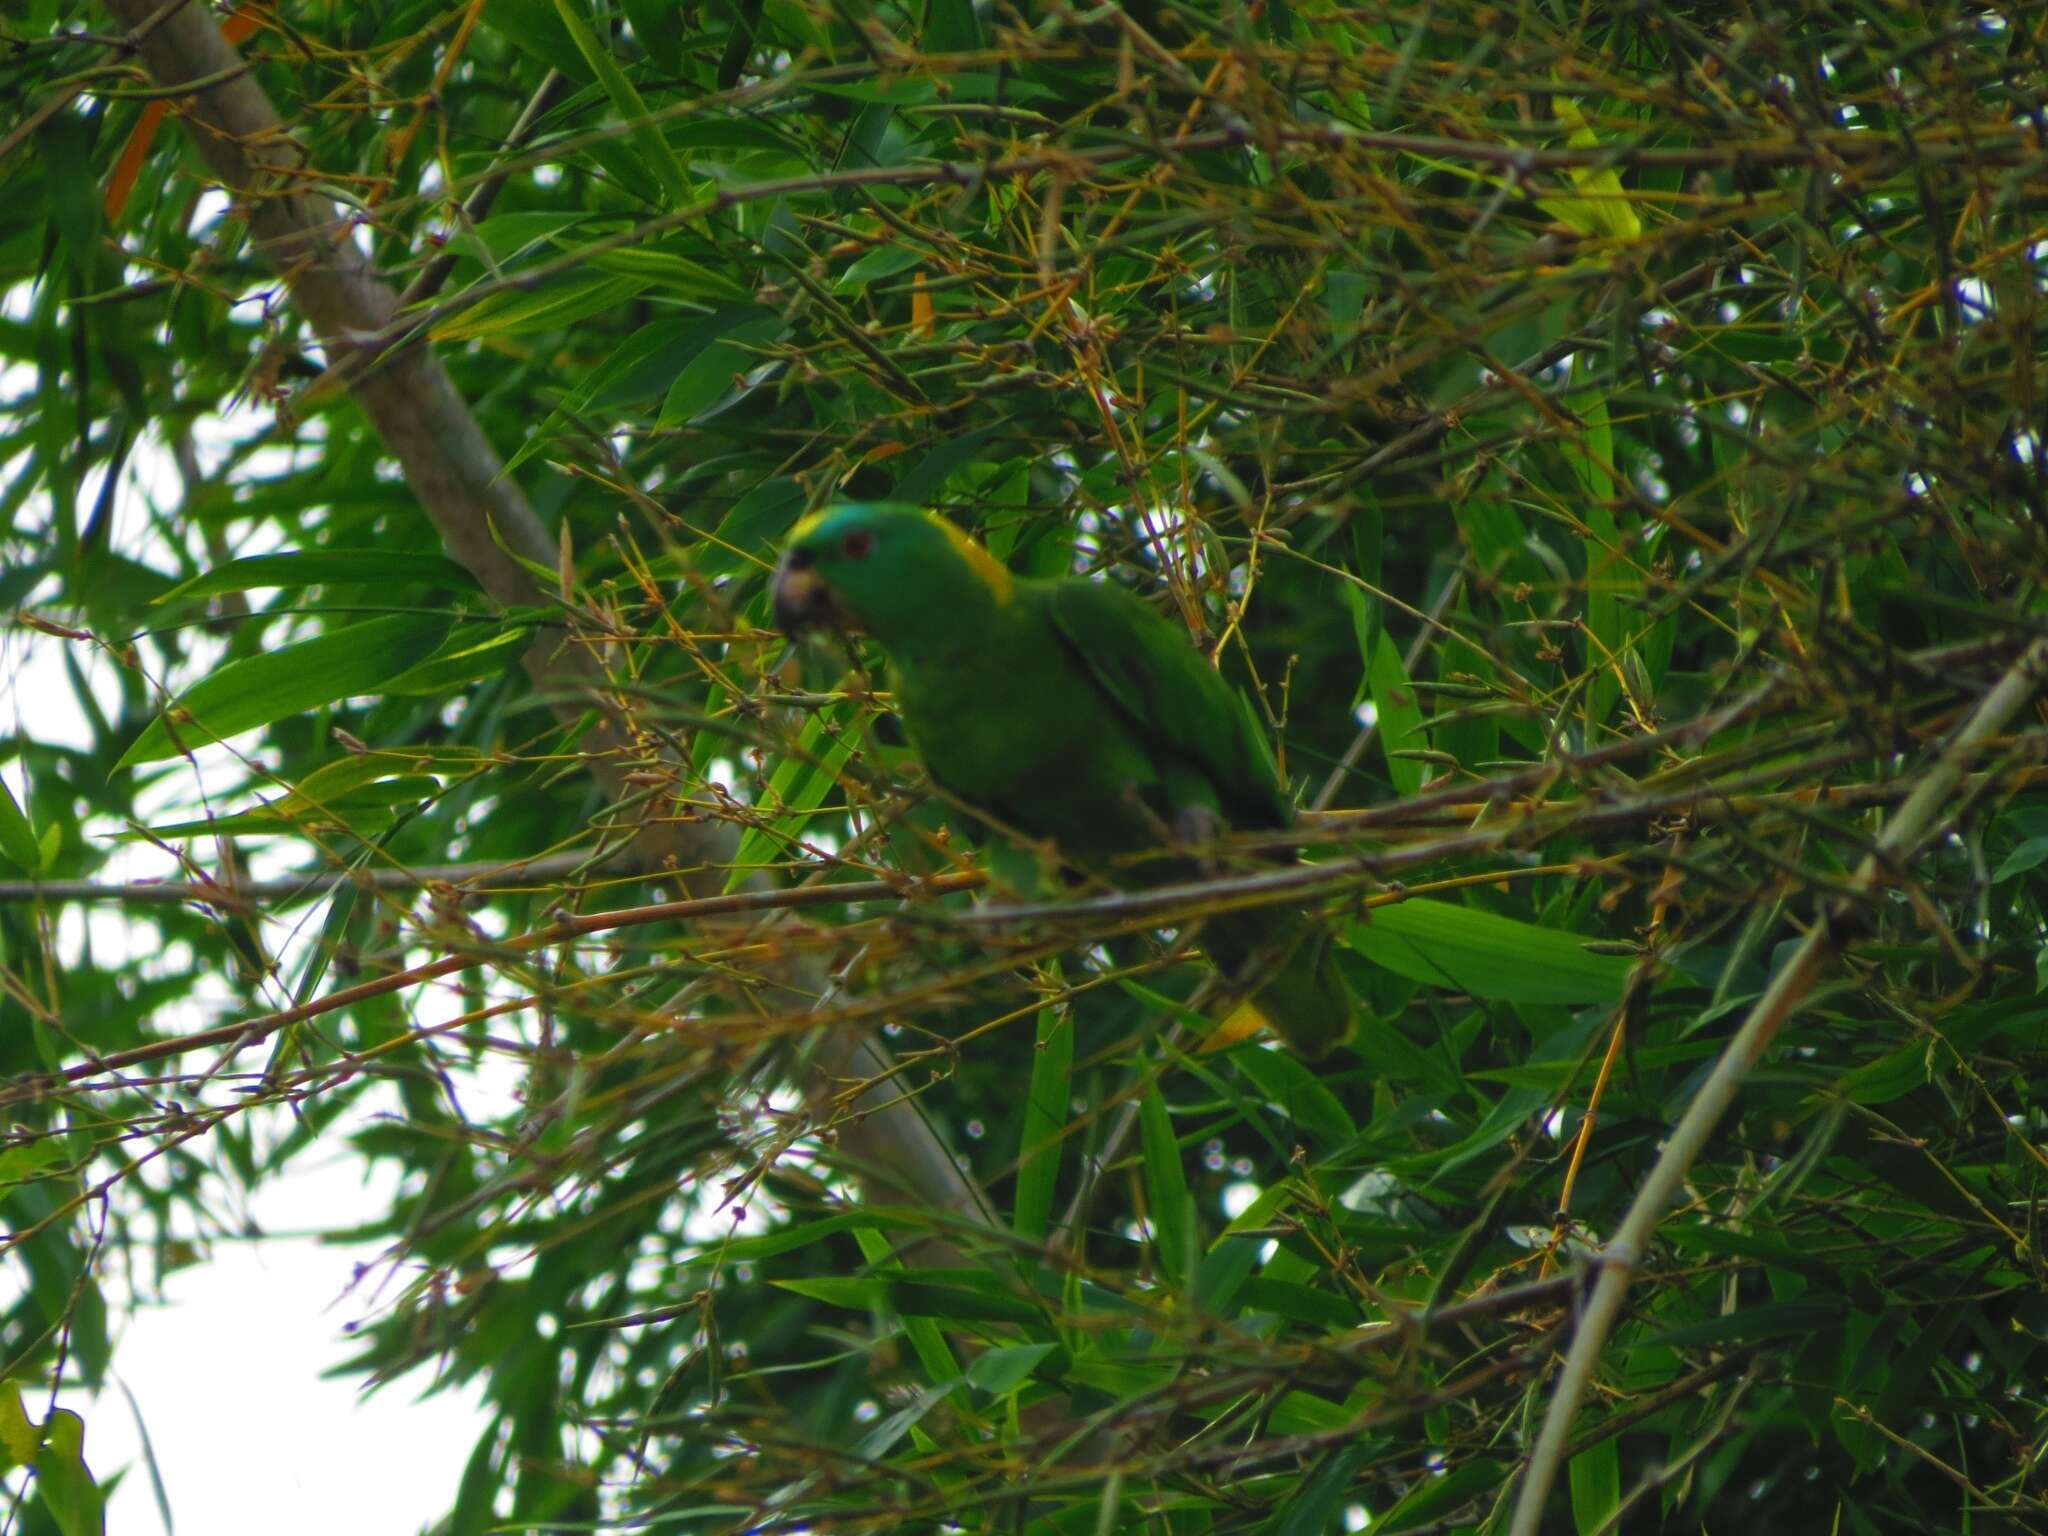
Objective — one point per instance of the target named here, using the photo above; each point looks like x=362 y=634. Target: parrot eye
x=858 y=544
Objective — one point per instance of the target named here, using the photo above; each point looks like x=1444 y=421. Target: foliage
x=1630 y=416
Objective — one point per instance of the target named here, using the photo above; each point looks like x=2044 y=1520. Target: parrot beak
x=802 y=600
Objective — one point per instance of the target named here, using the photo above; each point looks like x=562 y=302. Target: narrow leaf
x=323 y=567
x=797 y=788
x=18 y=834
x=660 y=158
x=1041 y=1146
x=1400 y=717
x=1467 y=950
x=356 y=659
x=997 y=1371
x=1171 y=1206
x=1596 y=1486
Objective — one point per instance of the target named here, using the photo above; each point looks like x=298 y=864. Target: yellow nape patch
x=1243 y=1022
x=992 y=572
x=808 y=523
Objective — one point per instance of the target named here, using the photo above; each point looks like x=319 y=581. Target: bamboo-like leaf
x=1465 y=949
x=1001 y=1370
x=473 y=651
x=556 y=304
x=18 y=834
x=1168 y=1201
x=1041 y=1144
x=63 y=1481
x=1399 y=715
x=1299 y=1094
x=341 y=663
x=1596 y=1486
x=712 y=374
x=323 y=567
x=667 y=169
x=797 y=788
x=1604 y=208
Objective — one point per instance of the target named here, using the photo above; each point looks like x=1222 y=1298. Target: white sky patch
x=226 y=1373
x=227 y=1364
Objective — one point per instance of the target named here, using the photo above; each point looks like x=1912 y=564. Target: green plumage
x=1067 y=711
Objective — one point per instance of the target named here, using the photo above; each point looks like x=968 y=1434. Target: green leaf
x=769 y=1245
x=1435 y=1498
x=712 y=374
x=660 y=27
x=1302 y=1303
x=2030 y=854
x=922 y=484
x=1311 y=1510
x=18 y=834
x=1605 y=208
x=1891 y=1076
x=533 y=27
x=654 y=149
x=323 y=567
x=953 y=1294
x=882 y=261
x=936 y=1355
x=997 y=1371
x=363 y=811
x=796 y=789
x=1768 y=1320
x=665 y=270
x=21 y=1163
x=63 y=1482
x=558 y=303
x=1400 y=717
x=1297 y=1093
x=1465 y=949
x=339 y=664
x=1595 y=1476
x=756 y=523
x=951 y=26
x=473 y=651
x=1042 y=1145
x=1168 y=1201
x=19 y=1438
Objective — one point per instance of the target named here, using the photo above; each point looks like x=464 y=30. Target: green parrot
x=1071 y=713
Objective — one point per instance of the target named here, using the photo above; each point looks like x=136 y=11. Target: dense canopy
x=1601 y=442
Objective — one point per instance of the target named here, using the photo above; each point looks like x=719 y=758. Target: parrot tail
x=1289 y=960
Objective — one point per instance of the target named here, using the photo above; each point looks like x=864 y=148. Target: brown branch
x=492 y=875
x=481 y=513
x=568 y=926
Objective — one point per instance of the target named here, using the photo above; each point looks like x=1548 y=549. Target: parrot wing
x=1173 y=696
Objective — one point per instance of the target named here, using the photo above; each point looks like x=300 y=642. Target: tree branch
x=481 y=513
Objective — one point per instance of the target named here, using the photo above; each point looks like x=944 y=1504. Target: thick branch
x=479 y=510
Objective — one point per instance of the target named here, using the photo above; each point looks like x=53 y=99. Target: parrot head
x=879 y=568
